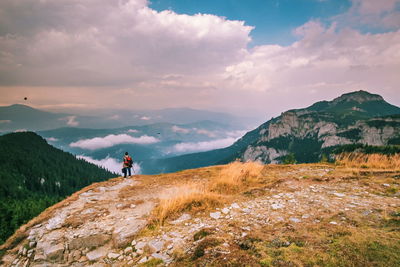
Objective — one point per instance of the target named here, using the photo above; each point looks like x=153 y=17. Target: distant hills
x=35 y=175
x=304 y=134
x=22 y=117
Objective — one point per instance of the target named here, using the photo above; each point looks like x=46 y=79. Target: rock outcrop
x=86 y=229
x=349 y=119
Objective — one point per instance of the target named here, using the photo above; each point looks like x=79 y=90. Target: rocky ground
x=109 y=224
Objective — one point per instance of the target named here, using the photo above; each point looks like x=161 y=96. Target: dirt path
x=86 y=229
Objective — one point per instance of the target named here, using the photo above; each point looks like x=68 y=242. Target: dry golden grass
x=189 y=197
x=211 y=190
x=236 y=177
x=373 y=161
x=206 y=194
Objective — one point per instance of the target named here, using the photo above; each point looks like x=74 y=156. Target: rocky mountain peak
x=358 y=96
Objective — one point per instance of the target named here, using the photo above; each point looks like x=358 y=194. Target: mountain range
x=304 y=134
x=23 y=117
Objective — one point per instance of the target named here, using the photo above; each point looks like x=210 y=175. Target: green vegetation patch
x=206 y=243
x=382 y=123
x=353 y=134
x=152 y=263
x=366 y=149
x=326 y=245
x=394 y=141
x=35 y=175
x=203 y=233
x=304 y=150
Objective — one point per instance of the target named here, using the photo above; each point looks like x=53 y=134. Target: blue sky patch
x=274 y=20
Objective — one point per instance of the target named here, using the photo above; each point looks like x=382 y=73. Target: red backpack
x=129 y=161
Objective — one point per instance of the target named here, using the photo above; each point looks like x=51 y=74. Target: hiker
x=127 y=165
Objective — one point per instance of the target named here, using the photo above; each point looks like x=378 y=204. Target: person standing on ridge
x=127 y=165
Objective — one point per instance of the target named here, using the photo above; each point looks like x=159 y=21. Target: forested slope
x=35 y=175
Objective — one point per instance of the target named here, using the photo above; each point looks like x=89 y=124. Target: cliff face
x=352 y=118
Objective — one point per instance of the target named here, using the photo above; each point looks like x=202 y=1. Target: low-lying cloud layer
x=71 y=121
x=112 y=140
x=177 y=129
x=111 y=164
x=203 y=146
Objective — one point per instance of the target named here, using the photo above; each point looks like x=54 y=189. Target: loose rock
x=183 y=218
x=339 y=194
x=215 y=215
x=143 y=260
x=97 y=254
x=140 y=245
x=156 y=246
x=235 y=206
x=128 y=250
x=225 y=210
x=277 y=206
x=113 y=255
x=295 y=220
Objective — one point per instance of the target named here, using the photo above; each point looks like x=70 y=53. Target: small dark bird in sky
x=25 y=98
x=158 y=133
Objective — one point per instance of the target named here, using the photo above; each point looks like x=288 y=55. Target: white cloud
x=177 y=129
x=145 y=118
x=71 y=121
x=203 y=146
x=110 y=164
x=383 y=14
x=374 y=7
x=116 y=43
x=115 y=117
x=238 y=133
x=324 y=58
x=52 y=139
x=206 y=132
x=112 y=140
x=132 y=131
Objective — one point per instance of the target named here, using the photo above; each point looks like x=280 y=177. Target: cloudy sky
x=253 y=57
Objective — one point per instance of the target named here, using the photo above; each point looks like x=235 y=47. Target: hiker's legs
x=124 y=171
x=129 y=171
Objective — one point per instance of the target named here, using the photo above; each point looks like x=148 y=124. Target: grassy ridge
x=361 y=241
